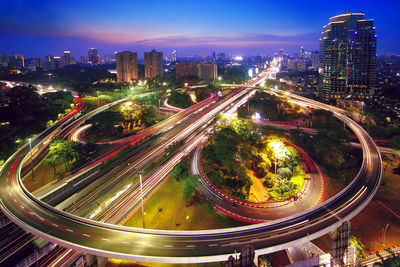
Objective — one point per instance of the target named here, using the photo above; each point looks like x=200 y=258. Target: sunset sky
x=41 y=27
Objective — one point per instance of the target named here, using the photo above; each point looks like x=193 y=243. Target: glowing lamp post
x=278 y=149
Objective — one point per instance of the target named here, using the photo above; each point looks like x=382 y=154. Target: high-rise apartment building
x=348 y=57
x=153 y=64
x=126 y=66
x=93 y=56
x=208 y=72
x=186 y=69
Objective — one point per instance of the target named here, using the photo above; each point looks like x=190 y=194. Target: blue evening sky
x=41 y=27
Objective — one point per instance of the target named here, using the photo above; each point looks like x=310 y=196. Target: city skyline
x=37 y=28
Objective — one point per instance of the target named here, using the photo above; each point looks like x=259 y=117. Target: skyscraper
x=208 y=72
x=82 y=59
x=48 y=63
x=174 y=55
x=93 y=56
x=38 y=63
x=126 y=66
x=348 y=57
x=183 y=69
x=17 y=62
x=301 y=52
x=153 y=64
x=4 y=60
x=66 y=58
x=57 y=63
x=315 y=60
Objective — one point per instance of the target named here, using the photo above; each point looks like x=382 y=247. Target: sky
x=36 y=28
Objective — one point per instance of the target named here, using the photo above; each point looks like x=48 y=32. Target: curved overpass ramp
x=186 y=246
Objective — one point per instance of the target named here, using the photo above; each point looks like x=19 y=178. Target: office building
x=174 y=55
x=207 y=72
x=183 y=69
x=48 y=63
x=4 y=60
x=291 y=64
x=66 y=58
x=348 y=57
x=127 y=69
x=82 y=59
x=153 y=64
x=93 y=56
x=16 y=62
x=38 y=63
x=57 y=63
x=33 y=64
x=302 y=53
x=315 y=60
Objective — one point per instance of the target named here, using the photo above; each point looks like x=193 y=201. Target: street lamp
x=278 y=148
x=30 y=151
x=219 y=78
x=141 y=196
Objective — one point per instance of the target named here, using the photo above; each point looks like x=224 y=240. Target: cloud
x=255 y=40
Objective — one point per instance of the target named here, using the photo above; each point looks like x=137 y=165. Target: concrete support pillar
x=256 y=258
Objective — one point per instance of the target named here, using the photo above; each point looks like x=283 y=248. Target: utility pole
x=30 y=151
x=141 y=196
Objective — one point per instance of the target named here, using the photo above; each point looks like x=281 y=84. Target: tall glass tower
x=348 y=58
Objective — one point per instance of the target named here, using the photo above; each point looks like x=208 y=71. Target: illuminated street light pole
x=277 y=148
x=141 y=196
x=30 y=151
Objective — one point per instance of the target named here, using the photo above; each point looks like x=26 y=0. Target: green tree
x=53 y=159
x=189 y=186
x=181 y=170
x=61 y=152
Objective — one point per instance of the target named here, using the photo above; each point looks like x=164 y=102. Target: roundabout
x=188 y=246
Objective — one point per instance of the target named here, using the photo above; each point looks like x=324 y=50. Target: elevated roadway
x=187 y=246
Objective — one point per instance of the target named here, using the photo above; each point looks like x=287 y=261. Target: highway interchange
x=188 y=246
